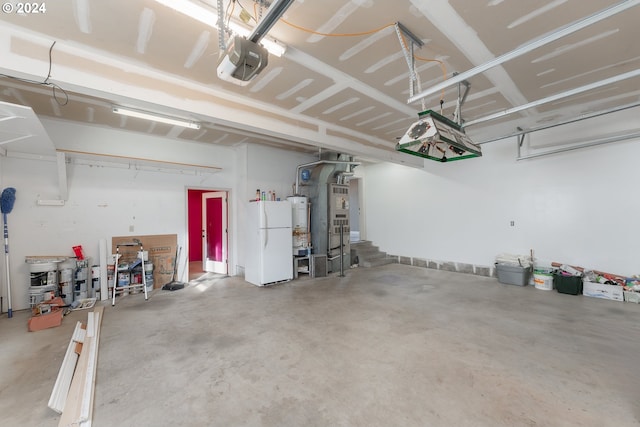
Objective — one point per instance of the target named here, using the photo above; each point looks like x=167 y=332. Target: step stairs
x=370 y=255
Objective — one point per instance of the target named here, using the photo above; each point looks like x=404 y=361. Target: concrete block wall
x=457 y=267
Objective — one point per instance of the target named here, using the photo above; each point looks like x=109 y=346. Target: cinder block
x=405 y=260
x=465 y=268
x=432 y=264
x=419 y=262
x=483 y=271
x=448 y=266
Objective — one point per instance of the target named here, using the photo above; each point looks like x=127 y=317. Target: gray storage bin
x=513 y=274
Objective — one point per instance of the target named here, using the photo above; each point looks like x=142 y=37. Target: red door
x=214 y=232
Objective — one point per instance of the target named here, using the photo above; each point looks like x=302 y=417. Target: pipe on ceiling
x=528 y=47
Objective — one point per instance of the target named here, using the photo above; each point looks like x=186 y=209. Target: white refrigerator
x=269 y=241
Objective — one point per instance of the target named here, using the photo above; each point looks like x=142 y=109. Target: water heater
x=300 y=211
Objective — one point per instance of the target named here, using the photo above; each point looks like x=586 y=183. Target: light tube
x=156 y=118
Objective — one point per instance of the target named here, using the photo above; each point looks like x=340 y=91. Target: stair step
x=379 y=262
x=367 y=251
x=370 y=255
x=361 y=244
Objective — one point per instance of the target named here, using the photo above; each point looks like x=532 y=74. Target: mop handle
x=6 y=233
x=6 y=259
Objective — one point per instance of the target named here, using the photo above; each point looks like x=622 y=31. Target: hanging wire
x=258 y=15
x=363 y=33
x=443 y=66
x=231 y=5
x=55 y=89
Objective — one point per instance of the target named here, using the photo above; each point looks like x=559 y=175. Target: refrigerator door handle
x=265 y=219
x=265 y=223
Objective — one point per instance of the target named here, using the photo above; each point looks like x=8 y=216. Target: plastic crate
x=513 y=274
x=571 y=285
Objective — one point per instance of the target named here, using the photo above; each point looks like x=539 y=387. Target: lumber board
x=65 y=374
x=69 y=414
x=78 y=409
x=86 y=411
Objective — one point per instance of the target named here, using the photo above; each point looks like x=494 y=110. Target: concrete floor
x=387 y=346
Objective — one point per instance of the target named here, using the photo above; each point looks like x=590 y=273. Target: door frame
x=230 y=223
x=224 y=264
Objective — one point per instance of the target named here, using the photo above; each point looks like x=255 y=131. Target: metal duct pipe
x=341 y=175
x=319 y=162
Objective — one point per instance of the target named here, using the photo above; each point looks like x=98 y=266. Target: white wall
x=266 y=169
x=580 y=207
x=105 y=201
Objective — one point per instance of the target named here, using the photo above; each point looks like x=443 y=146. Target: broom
x=7 y=199
x=173 y=284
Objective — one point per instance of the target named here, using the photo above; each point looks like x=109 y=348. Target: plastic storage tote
x=513 y=274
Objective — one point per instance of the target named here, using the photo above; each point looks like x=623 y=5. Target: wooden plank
x=71 y=408
x=86 y=411
x=65 y=374
x=78 y=410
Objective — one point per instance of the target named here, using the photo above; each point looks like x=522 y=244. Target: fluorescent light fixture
x=209 y=17
x=156 y=117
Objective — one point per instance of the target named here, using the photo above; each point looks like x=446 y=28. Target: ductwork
x=320 y=162
x=333 y=169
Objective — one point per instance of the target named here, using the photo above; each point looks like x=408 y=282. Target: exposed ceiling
x=345 y=93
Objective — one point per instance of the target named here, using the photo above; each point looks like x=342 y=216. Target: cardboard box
x=600 y=290
x=44 y=321
x=162 y=252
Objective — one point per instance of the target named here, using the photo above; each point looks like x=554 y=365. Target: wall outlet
x=512 y=223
